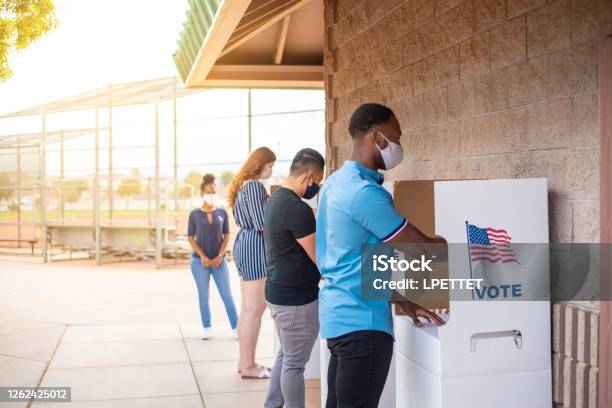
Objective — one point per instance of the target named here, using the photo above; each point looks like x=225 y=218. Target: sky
x=98 y=42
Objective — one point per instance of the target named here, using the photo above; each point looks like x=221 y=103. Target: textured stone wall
x=483 y=89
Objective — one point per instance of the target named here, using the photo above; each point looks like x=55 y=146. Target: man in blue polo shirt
x=355 y=209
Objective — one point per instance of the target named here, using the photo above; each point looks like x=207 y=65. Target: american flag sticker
x=490 y=245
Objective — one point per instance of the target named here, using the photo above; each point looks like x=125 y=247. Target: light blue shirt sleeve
x=373 y=209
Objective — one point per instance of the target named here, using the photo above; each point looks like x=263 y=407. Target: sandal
x=263 y=374
x=261 y=367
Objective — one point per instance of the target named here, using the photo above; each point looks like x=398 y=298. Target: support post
x=62 y=181
x=149 y=190
x=158 y=237
x=110 y=155
x=96 y=195
x=19 y=191
x=34 y=207
x=249 y=117
x=175 y=164
x=43 y=188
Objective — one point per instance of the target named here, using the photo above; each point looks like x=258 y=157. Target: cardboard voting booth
x=494 y=350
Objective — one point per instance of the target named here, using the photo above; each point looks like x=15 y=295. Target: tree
x=73 y=189
x=22 y=22
x=6 y=187
x=194 y=178
x=130 y=186
x=193 y=181
x=184 y=192
x=226 y=178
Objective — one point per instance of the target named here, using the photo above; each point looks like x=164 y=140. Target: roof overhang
x=252 y=43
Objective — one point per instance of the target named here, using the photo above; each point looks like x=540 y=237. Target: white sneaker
x=235 y=334
x=207 y=333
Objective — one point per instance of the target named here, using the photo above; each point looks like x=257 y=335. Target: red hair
x=250 y=170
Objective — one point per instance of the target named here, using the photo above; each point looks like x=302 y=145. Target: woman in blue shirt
x=208 y=234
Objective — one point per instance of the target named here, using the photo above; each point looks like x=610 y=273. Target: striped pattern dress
x=249 y=250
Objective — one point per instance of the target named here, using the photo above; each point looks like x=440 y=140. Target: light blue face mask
x=210 y=198
x=392 y=155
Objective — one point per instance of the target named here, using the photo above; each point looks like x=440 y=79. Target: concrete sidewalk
x=121 y=335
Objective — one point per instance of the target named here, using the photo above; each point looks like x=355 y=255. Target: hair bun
x=208 y=178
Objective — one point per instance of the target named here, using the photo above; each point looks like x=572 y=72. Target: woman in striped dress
x=247 y=196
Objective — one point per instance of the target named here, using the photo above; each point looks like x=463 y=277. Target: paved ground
x=121 y=335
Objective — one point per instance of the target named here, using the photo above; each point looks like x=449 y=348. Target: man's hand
x=415 y=312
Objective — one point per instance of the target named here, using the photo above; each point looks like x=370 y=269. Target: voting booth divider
x=491 y=352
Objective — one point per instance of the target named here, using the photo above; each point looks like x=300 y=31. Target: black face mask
x=311 y=191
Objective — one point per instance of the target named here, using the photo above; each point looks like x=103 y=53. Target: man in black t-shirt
x=292 y=284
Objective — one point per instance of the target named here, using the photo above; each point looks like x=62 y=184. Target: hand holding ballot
x=415 y=312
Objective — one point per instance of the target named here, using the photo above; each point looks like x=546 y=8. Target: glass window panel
x=285 y=100
x=287 y=134
x=213 y=103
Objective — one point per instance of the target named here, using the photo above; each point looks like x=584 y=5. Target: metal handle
x=515 y=334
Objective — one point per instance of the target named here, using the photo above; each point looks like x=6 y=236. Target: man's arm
x=300 y=220
x=412 y=235
x=373 y=208
x=309 y=244
x=418 y=241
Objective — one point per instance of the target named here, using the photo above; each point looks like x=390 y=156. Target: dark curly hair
x=366 y=116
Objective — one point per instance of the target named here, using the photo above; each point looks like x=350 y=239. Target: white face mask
x=392 y=155
x=266 y=172
x=210 y=199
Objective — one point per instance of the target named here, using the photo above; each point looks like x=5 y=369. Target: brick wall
x=484 y=89
x=575 y=355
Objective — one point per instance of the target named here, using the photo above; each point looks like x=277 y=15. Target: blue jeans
x=201 y=274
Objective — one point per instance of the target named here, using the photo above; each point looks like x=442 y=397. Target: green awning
x=200 y=17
